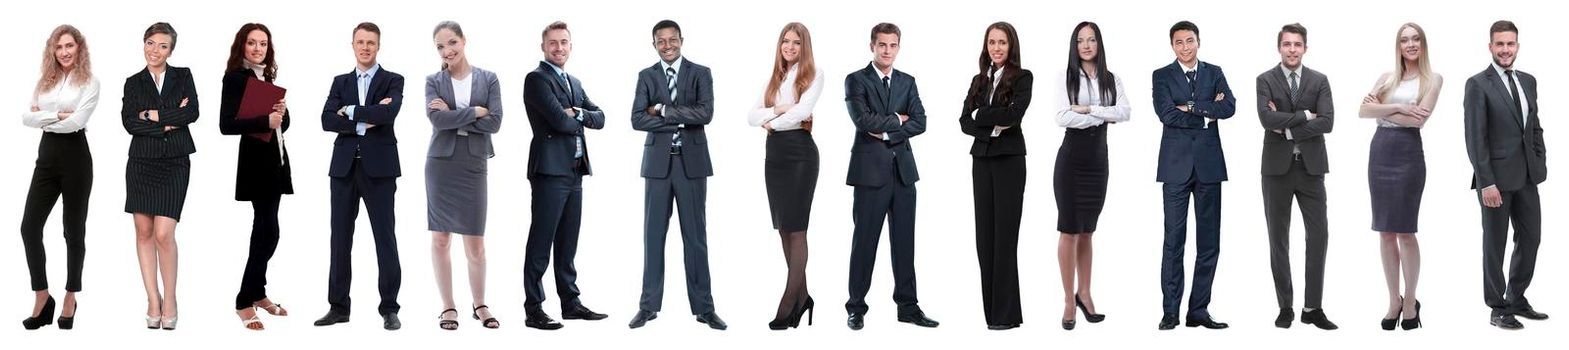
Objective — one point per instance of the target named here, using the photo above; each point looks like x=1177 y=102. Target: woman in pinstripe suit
x=158 y=105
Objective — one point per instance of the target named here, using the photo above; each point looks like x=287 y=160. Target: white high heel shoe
x=153 y=322
x=167 y=323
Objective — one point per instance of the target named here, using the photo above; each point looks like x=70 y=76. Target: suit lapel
x=1183 y=85
x=477 y=90
x=684 y=86
x=1285 y=85
x=662 y=84
x=1501 y=90
x=879 y=92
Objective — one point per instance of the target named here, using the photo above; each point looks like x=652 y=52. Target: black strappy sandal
x=450 y=325
x=491 y=323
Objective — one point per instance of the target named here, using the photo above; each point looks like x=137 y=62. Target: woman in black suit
x=158 y=105
x=993 y=108
x=262 y=177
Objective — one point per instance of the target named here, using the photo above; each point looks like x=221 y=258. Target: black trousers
x=999 y=204
x=1206 y=209
x=378 y=194
x=690 y=197
x=558 y=214
x=894 y=201
x=64 y=169
x=264 y=241
x=1308 y=190
x=1522 y=208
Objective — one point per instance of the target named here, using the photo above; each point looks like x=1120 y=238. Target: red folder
x=257 y=103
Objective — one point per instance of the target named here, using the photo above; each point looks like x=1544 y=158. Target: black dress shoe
x=1506 y=321
x=1284 y=319
x=1206 y=322
x=539 y=320
x=44 y=318
x=1002 y=327
x=582 y=313
x=1318 y=319
x=1168 y=322
x=389 y=321
x=712 y=320
x=916 y=317
x=1530 y=314
x=1068 y=325
x=642 y=317
x=856 y=322
x=332 y=318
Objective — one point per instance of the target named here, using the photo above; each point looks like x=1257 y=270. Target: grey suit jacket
x=1307 y=135
x=692 y=107
x=486 y=92
x=1502 y=151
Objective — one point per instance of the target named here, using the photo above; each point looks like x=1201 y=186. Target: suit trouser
x=1308 y=190
x=999 y=204
x=558 y=214
x=264 y=242
x=378 y=195
x=64 y=169
x=689 y=197
x=1206 y=207
x=1523 y=209
x=895 y=201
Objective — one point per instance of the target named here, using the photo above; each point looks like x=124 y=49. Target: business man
x=674 y=101
x=1190 y=97
x=1503 y=137
x=1296 y=109
x=558 y=112
x=886 y=109
x=361 y=108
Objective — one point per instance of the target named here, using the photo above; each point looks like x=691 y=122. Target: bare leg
x=1389 y=253
x=68 y=307
x=147 y=260
x=39 y=298
x=1067 y=259
x=1411 y=260
x=1086 y=257
x=168 y=263
x=441 y=259
x=474 y=249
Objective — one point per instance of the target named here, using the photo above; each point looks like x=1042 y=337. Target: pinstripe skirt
x=156 y=186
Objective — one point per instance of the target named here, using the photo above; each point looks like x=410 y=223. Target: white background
x=1351 y=42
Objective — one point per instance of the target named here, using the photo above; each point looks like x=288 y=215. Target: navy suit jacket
x=875 y=109
x=546 y=98
x=1190 y=144
x=378 y=149
x=693 y=107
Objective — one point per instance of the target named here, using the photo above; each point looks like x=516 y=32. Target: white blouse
x=64 y=97
x=798 y=112
x=462 y=94
x=1405 y=94
x=1089 y=95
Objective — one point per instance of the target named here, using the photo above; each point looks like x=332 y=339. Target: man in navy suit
x=673 y=103
x=886 y=109
x=558 y=112
x=361 y=108
x=1190 y=97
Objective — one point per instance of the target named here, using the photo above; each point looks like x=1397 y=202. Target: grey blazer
x=445 y=124
x=1502 y=151
x=1308 y=136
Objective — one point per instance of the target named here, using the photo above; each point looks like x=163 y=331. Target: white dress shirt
x=462 y=93
x=362 y=81
x=889 y=86
x=799 y=110
x=671 y=66
x=66 y=96
x=1525 y=108
x=1089 y=95
x=1287 y=72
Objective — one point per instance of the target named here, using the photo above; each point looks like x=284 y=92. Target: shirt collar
x=675 y=65
x=371 y=73
x=1186 y=70
x=559 y=70
x=880 y=75
x=1287 y=72
x=1499 y=70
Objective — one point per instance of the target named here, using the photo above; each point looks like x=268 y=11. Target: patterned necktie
x=670 y=76
x=1293 y=85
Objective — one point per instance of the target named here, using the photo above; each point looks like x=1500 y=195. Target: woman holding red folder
x=262 y=177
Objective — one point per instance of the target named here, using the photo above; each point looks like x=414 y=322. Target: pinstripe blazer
x=148 y=138
x=445 y=124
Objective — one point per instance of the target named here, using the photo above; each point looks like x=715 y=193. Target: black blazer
x=1188 y=143
x=1307 y=135
x=263 y=168
x=546 y=98
x=1005 y=109
x=693 y=106
x=378 y=149
x=874 y=108
x=1502 y=151
x=148 y=140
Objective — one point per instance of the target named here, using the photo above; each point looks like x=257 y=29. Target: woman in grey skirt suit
x=464 y=107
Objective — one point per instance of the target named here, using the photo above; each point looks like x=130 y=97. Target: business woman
x=995 y=104
x=63 y=100
x=158 y=106
x=1401 y=101
x=262 y=175
x=1094 y=99
x=464 y=107
x=790 y=166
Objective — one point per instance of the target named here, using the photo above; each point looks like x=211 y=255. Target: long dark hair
x=982 y=83
x=1108 y=82
x=237 y=51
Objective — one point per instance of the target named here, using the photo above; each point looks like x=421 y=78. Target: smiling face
x=65 y=49
x=1411 y=44
x=366 y=46
x=450 y=46
x=1292 y=47
x=156 y=49
x=1185 y=44
x=256 y=44
x=885 y=48
x=790 y=47
x=557 y=47
x=1088 y=45
x=1504 y=46
x=667 y=42
x=997 y=46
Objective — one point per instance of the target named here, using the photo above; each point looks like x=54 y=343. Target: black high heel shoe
x=66 y=323
x=806 y=308
x=794 y=318
x=44 y=318
x=1388 y=324
x=1414 y=322
x=1093 y=318
x=1067 y=325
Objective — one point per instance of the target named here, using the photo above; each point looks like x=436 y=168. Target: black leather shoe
x=389 y=321
x=1168 y=322
x=1284 y=319
x=332 y=318
x=856 y=322
x=1415 y=321
x=1068 y=325
x=1002 y=327
x=1206 y=322
x=539 y=320
x=641 y=318
x=916 y=317
x=1317 y=319
x=1506 y=321
x=1093 y=318
x=1530 y=314
x=712 y=320
x=582 y=313
x=44 y=318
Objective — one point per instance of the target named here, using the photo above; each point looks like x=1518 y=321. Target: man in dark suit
x=674 y=101
x=558 y=112
x=1296 y=109
x=1190 y=97
x=886 y=109
x=1503 y=137
x=361 y=108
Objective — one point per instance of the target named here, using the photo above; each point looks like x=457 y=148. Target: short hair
x=657 y=26
x=1294 y=28
x=1181 y=26
x=885 y=28
x=369 y=27
x=1502 y=26
x=554 y=26
x=162 y=28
